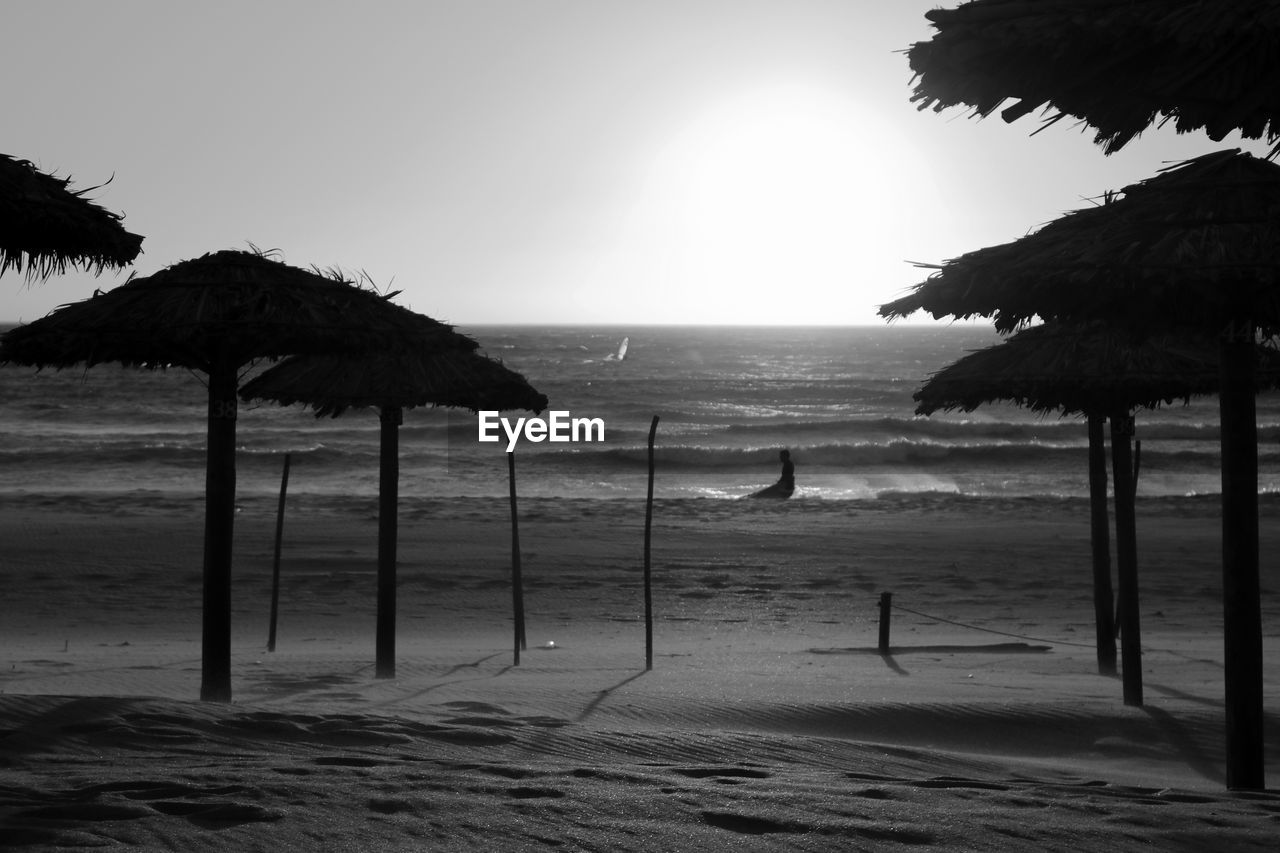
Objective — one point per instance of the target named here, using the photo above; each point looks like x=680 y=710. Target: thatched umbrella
x=216 y=314
x=1197 y=246
x=1118 y=66
x=45 y=226
x=1197 y=249
x=393 y=382
x=1101 y=373
x=1201 y=64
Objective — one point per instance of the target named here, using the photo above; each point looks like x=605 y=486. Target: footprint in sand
x=720 y=772
x=747 y=825
x=476 y=707
x=348 y=761
x=393 y=806
x=956 y=782
x=217 y=815
x=529 y=793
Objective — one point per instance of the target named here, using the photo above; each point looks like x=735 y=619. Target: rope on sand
x=992 y=630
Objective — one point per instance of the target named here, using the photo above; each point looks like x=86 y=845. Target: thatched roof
x=1189 y=247
x=1091 y=370
x=332 y=384
x=230 y=305
x=1119 y=66
x=46 y=227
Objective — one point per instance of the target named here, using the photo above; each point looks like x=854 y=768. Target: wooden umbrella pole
x=1137 y=463
x=219 y=523
x=275 y=561
x=1103 y=600
x=517 y=581
x=388 y=498
x=1241 y=591
x=648 y=527
x=1127 y=558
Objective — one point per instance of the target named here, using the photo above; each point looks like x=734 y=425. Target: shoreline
x=156 y=502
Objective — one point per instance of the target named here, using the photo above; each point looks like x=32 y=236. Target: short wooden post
x=648 y=527
x=275 y=562
x=886 y=608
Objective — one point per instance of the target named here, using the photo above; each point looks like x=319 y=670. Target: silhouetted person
x=786 y=484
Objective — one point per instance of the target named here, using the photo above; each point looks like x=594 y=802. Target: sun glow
x=785 y=205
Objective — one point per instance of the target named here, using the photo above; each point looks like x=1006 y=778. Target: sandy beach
x=765 y=226
x=768 y=722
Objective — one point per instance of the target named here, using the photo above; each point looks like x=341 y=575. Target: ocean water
x=727 y=400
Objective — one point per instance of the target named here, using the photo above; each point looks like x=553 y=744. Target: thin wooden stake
x=886 y=609
x=1105 y=624
x=648 y=528
x=1137 y=463
x=390 y=418
x=517 y=581
x=275 y=562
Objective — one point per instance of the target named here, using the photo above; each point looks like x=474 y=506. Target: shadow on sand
x=439 y=684
x=888 y=656
x=605 y=694
x=991 y=648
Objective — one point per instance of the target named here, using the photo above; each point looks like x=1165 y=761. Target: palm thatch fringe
x=1091 y=370
x=1186 y=247
x=1200 y=64
x=46 y=227
x=231 y=304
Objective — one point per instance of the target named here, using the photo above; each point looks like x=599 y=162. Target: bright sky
x=545 y=161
